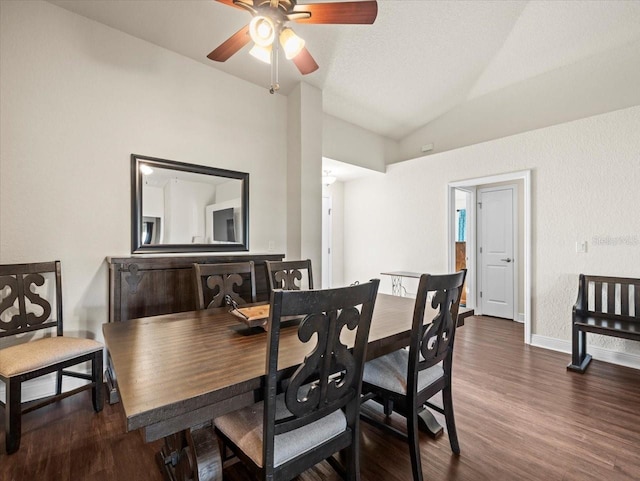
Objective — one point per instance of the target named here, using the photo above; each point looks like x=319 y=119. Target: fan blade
x=305 y=62
x=341 y=12
x=231 y=4
x=231 y=45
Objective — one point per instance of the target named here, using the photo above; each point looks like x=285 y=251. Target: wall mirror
x=179 y=207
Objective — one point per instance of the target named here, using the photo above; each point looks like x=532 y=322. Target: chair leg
x=388 y=406
x=447 y=400
x=414 y=444
x=59 y=382
x=13 y=415
x=352 y=460
x=96 y=376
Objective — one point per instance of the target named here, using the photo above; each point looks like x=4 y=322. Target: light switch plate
x=581 y=247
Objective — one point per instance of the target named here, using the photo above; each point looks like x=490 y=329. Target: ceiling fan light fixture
x=291 y=43
x=261 y=53
x=262 y=31
x=268 y=29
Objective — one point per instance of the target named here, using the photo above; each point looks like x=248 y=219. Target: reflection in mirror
x=151 y=229
x=178 y=207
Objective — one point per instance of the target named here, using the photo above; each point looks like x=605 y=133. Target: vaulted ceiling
x=418 y=61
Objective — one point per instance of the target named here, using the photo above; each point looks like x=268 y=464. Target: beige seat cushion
x=32 y=355
x=390 y=372
x=244 y=429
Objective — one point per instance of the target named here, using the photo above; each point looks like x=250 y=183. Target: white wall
x=336 y=192
x=153 y=201
x=76 y=99
x=228 y=191
x=609 y=82
x=185 y=204
x=304 y=166
x=585 y=177
x=349 y=143
x=352 y=144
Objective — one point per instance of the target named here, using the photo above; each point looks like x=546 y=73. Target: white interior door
x=326 y=242
x=496 y=250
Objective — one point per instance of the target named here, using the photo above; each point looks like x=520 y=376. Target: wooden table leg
x=428 y=424
x=113 y=396
x=191 y=455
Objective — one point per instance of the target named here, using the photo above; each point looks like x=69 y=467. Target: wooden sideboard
x=152 y=286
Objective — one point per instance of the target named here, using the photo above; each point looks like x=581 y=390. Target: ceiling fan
x=268 y=29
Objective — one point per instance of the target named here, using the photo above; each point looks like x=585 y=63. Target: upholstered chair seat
x=244 y=428
x=390 y=372
x=42 y=353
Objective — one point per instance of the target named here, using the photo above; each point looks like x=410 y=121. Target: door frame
x=471 y=239
x=327 y=254
x=470 y=185
x=514 y=238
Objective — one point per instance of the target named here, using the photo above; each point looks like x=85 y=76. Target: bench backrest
x=609 y=296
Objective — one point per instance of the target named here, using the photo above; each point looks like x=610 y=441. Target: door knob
x=508 y=259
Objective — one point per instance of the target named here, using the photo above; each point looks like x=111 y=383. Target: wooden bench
x=606 y=305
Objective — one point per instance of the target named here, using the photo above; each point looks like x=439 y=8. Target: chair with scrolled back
x=216 y=284
x=317 y=413
x=404 y=380
x=31 y=300
x=288 y=275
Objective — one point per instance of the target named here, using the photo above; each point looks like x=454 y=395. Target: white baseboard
x=599 y=353
x=518 y=318
x=44 y=386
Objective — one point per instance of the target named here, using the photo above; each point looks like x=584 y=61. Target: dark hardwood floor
x=520 y=416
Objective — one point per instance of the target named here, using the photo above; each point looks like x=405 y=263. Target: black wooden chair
x=317 y=413
x=214 y=282
x=288 y=275
x=23 y=309
x=405 y=380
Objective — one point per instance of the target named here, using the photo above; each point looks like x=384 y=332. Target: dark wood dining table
x=177 y=372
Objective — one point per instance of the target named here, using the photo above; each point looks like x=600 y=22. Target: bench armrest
x=581 y=301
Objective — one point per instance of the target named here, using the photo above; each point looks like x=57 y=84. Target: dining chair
x=404 y=380
x=31 y=300
x=214 y=282
x=288 y=275
x=317 y=413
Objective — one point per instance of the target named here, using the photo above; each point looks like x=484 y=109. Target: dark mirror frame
x=137 y=247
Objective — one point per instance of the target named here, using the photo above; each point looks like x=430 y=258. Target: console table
x=396 y=280
x=152 y=286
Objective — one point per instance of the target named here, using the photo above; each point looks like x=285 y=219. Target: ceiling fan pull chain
x=275 y=86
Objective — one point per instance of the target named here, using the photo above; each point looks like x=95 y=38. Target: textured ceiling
x=419 y=60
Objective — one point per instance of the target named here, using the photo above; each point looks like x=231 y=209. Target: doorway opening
x=462 y=247
x=467 y=193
